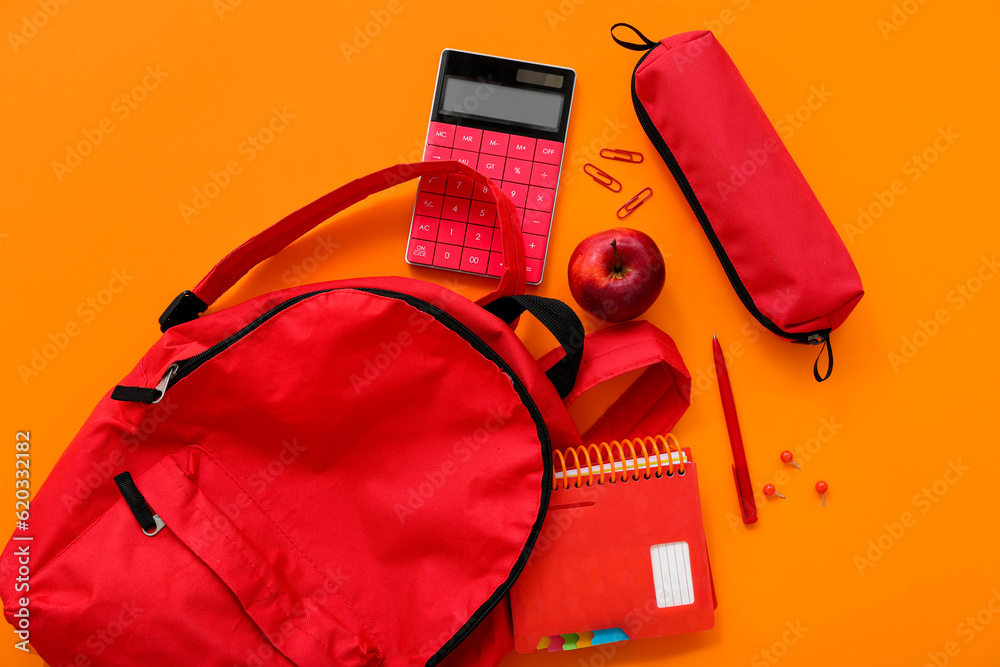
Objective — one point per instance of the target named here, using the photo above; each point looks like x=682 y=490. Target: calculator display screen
x=504 y=104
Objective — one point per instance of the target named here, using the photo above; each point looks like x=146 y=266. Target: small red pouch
x=778 y=247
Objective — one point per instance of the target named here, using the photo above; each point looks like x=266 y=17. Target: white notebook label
x=672 y=574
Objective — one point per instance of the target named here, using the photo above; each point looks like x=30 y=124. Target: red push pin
x=821 y=488
x=769 y=490
x=787 y=457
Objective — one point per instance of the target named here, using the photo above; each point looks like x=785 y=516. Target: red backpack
x=350 y=473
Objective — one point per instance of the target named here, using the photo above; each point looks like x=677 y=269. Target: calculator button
x=478 y=236
x=465 y=157
x=495 y=267
x=483 y=213
x=459 y=186
x=455 y=208
x=436 y=153
x=481 y=192
x=522 y=148
x=491 y=165
x=517 y=217
x=451 y=231
x=494 y=143
x=434 y=184
x=517 y=192
x=467 y=138
x=536 y=222
x=429 y=204
x=548 y=151
x=424 y=228
x=534 y=246
x=540 y=199
x=447 y=256
x=441 y=134
x=544 y=175
x=476 y=261
x=420 y=252
x=518 y=171
x=532 y=270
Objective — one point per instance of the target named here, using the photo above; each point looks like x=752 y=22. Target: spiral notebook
x=622 y=552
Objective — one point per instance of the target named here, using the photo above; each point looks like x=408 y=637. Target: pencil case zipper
x=816 y=337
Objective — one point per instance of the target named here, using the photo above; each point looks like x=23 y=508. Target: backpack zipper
x=181 y=369
x=811 y=338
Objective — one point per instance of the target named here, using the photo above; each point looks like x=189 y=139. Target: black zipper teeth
x=187 y=366
x=692 y=199
x=543 y=436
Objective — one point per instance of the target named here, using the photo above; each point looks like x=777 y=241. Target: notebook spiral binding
x=585 y=468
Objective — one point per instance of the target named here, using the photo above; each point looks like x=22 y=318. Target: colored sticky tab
x=556 y=643
x=543 y=643
x=609 y=636
x=586 y=639
x=570 y=641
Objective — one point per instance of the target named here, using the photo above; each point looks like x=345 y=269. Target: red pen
x=744 y=491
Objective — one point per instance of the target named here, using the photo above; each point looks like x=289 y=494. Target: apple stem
x=618 y=259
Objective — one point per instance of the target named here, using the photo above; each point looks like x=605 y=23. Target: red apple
x=616 y=275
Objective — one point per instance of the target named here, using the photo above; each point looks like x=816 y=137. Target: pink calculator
x=508 y=119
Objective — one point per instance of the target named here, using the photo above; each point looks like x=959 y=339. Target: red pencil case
x=778 y=247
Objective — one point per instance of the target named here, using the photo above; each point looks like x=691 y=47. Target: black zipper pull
x=164 y=382
x=150 y=523
x=645 y=46
x=146 y=394
x=825 y=340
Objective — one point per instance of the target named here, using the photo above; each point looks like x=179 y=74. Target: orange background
x=898 y=425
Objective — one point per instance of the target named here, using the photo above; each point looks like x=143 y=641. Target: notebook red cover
x=593 y=566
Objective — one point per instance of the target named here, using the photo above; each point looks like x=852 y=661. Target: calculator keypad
x=455 y=220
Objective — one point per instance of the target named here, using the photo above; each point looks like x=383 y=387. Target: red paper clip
x=621 y=155
x=634 y=203
x=605 y=179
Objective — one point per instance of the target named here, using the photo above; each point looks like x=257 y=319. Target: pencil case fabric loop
x=777 y=245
